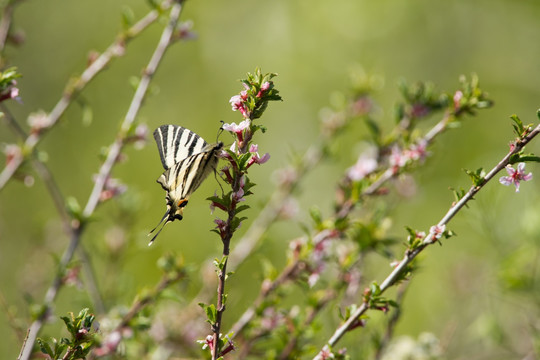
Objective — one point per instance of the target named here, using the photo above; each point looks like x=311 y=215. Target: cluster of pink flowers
x=364 y=166
x=240 y=132
x=399 y=158
x=240 y=102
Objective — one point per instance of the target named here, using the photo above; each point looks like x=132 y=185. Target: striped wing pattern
x=176 y=143
x=184 y=177
x=187 y=160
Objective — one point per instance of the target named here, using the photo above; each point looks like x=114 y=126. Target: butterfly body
x=187 y=160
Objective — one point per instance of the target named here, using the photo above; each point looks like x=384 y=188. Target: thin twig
x=116 y=49
x=5 y=23
x=341 y=212
x=293 y=341
x=428 y=240
x=140 y=304
x=266 y=289
x=105 y=171
x=392 y=322
x=59 y=202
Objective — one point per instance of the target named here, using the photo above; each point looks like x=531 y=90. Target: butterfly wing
x=176 y=143
x=185 y=176
x=187 y=160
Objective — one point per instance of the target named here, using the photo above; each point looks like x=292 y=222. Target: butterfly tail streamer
x=160 y=221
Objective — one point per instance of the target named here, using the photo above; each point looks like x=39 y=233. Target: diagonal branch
x=104 y=173
x=116 y=49
x=429 y=239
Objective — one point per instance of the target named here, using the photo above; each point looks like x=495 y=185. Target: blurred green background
x=477 y=293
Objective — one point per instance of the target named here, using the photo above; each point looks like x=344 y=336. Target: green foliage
x=80 y=342
x=477 y=176
x=7 y=78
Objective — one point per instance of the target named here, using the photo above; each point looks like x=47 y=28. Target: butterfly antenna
x=220 y=130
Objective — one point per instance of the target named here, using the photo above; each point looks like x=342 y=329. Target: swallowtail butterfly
x=187 y=160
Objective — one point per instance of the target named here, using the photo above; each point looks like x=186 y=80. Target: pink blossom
x=110 y=344
x=221 y=226
x=208 y=342
x=253 y=148
x=436 y=232
x=238 y=196
x=243 y=95
x=397 y=158
x=264 y=88
x=363 y=167
x=237 y=103
x=11 y=92
x=515 y=176
x=325 y=353
x=256 y=158
x=111 y=188
x=237 y=129
x=38 y=121
x=315 y=275
x=417 y=151
x=141 y=136
x=12 y=152
x=185 y=31
x=457 y=99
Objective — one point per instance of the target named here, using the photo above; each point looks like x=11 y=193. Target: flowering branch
x=418 y=243
x=251 y=103
x=174 y=271
x=74 y=87
x=104 y=172
x=365 y=179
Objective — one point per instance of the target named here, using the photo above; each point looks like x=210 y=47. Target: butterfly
x=187 y=160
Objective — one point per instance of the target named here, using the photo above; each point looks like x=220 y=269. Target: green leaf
x=210 y=311
x=73 y=208
x=235 y=223
x=316 y=216
x=45 y=347
x=241 y=208
x=528 y=158
x=128 y=17
x=517 y=125
x=477 y=176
